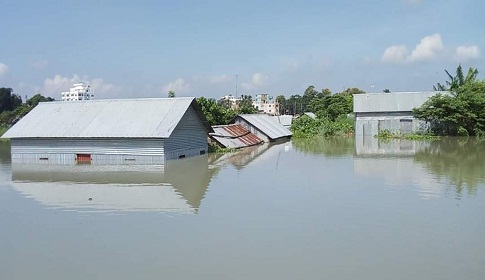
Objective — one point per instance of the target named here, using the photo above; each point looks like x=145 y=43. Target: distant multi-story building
x=79 y=91
x=230 y=100
x=266 y=104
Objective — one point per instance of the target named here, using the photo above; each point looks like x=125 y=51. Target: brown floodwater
x=337 y=208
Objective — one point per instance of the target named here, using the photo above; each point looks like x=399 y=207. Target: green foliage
x=387 y=134
x=171 y=94
x=457 y=81
x=214 y=148
x=461 y=113
x=245 y=105
x=304 y=127
x=214 y=112
x=34 y=100
x=15 y=113
x=8 y=100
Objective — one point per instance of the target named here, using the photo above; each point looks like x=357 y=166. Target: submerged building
x=388 y=111
x=263 y=126
x=129 y=131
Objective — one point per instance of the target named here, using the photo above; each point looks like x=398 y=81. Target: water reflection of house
x=388 y=111
x=130 y=131
x=394 y=162
x=179 y=186
x=249 y=155
x=369 y=145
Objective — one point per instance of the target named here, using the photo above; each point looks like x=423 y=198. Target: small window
x=202 y=152
x=181 y=156
x=83 y=158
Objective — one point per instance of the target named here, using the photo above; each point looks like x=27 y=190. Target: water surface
x=334 y=208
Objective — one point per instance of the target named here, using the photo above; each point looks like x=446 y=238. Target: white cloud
x=54 y=86
x=221 y=79
x=466 y=53
x=258 y=80
x=428 y=49
x=3 y=69
x=178 y=86
x=395 y=54
x=39 y=64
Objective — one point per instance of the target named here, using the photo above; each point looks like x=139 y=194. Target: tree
x=281 y=101
x=245 y=105
x=461 y=113
x=8 y=100
x=34 y=100
x=214 y=112
x=457 y=81
x=171 y=94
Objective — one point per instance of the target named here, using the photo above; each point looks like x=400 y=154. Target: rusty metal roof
x=234 y=136
x=267 y=125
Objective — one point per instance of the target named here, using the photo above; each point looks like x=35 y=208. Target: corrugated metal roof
x=284 y=120
x=266 y=125
x=125 y=118
x=391 y=102
x=234 y=136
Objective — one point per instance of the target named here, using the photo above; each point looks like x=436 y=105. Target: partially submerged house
x=122 y=131
x=284 y=120
x=234 y=136
x=388 y=111
x=264 y=126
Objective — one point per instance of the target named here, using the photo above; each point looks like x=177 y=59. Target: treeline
x=332 y=112
x=218 y=113
x=12 y=109
x=462 y=111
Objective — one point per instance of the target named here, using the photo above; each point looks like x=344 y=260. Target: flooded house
x=388 y=111
x=233 y=136
x=104 y=132
x=263 y=126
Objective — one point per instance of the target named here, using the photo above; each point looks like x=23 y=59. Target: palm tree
x=457 y=81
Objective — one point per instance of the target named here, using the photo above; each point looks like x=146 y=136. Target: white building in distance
x=79 y=91
x=266 y=104
x=230 y=101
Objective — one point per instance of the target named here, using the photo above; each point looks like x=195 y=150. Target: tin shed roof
x=391 y=102
x=234 y=136
x=266 y=125
x=120 y=118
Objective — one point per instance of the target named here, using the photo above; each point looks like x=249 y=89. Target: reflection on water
x=426 y=164
x=307 y=209
x=460 y=160
x=242 y=158
x=179 y=186
x=330 y=147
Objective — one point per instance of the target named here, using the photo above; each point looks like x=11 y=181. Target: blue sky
x=129 y=49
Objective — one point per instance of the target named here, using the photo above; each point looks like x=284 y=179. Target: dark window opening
x=182 y=156
x=83 y=158
x=202 y=152
x=43 y=158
